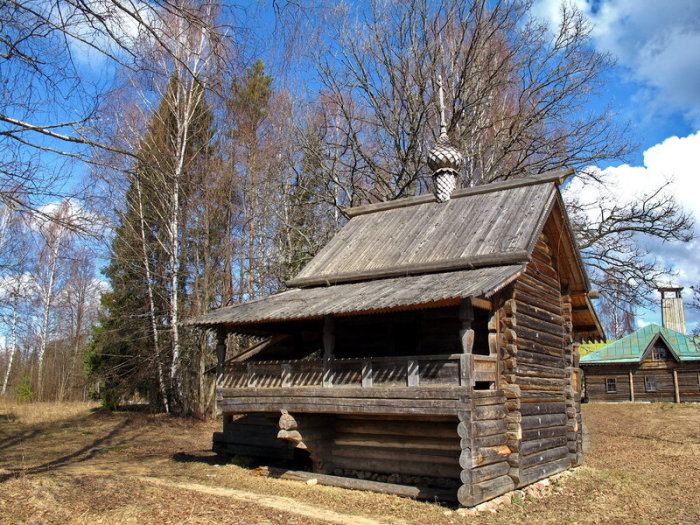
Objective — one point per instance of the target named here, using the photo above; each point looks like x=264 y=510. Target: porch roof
x=398 y=293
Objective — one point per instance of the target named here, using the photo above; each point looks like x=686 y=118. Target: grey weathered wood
x=412 y=377
x=538 y=472
x=287 y=421
x=406 y=491
x=328 y=350
x=631 y=377
x=366 y=373
x=434 y=289
x=557 y=177
x=466 y=369
x=252 y=378
x=676 y=392
x=220 y=352
x=286 y=374
x=485 y=490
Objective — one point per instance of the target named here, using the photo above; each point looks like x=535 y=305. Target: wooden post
x=466 y=370
x=328 y=350
x=631 y=386
x=466 y=334
x=466 y=337
x=676 y=390
x=220 y=353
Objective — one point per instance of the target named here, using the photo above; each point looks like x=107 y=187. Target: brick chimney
x=672 y=314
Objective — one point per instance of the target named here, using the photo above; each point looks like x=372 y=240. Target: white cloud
x=676 y=162
x=658 y=41
x=71 y=213
x=100 y=27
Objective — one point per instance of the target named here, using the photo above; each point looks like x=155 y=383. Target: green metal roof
x=593 y=346
x=631 y=348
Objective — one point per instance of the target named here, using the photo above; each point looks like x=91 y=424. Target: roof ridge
x=554 y=176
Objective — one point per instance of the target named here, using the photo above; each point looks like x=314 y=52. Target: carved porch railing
x=406 y=371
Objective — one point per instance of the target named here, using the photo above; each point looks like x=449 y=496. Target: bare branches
x=516 y=93
x=63 y=56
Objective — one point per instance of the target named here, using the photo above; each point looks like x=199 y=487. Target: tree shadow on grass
x=11 y=441
x=83 y=454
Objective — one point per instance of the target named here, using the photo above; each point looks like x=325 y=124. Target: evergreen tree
x=149 y=273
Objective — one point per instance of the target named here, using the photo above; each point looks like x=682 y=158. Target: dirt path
x=278 y=503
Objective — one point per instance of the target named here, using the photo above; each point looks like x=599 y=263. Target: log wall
x=416 y=451
x=688 y=382
x=485 y=454
x=540 y=372
x=254 y=436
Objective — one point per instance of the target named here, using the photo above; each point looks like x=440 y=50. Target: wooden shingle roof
x=437 y=289
x=420 y=253
x=488 y=225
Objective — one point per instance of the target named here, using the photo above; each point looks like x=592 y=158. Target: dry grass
x=49 y=412
x=72 y=463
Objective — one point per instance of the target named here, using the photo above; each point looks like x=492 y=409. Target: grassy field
x=71 y=463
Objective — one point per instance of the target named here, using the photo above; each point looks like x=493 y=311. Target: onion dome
x=444 y=160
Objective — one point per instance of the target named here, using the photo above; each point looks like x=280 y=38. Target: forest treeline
x=218 y=159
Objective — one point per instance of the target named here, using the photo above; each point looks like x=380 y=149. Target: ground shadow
x=83 y=454
x=211 y=458
x=11 y=441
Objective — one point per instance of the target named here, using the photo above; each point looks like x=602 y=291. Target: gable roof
x=419 y=253
x=631 y=348
x=484 y=226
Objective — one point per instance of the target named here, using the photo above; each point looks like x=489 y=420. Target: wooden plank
x=391 y=466
x=676 y=393
x=488 y=472
x=475 y=261
x=349 y=392
x=537 y=434
x=328 y=350
x=406 y=491
x=470 y=495
x=406 y=428
x=534 y=446
x=529 y=409
x=412 y=377
x=465 y=370
x=366 y=373
x=555 y=176
x=543 y=421
x=286 y=371
x=543 y=456
x=532 y=474
x=252 y=379
x=424 y=443
x=631 y=378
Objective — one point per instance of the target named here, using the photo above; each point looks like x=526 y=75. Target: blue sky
x=656 y=88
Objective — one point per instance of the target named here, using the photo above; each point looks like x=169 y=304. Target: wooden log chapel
x=429 y=343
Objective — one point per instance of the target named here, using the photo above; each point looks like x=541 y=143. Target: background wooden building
x=429 y=343
x=654 y=363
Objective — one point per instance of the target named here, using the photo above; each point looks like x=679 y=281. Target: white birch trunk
x=151 y=303
x=47 y=299
x=13 y=347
